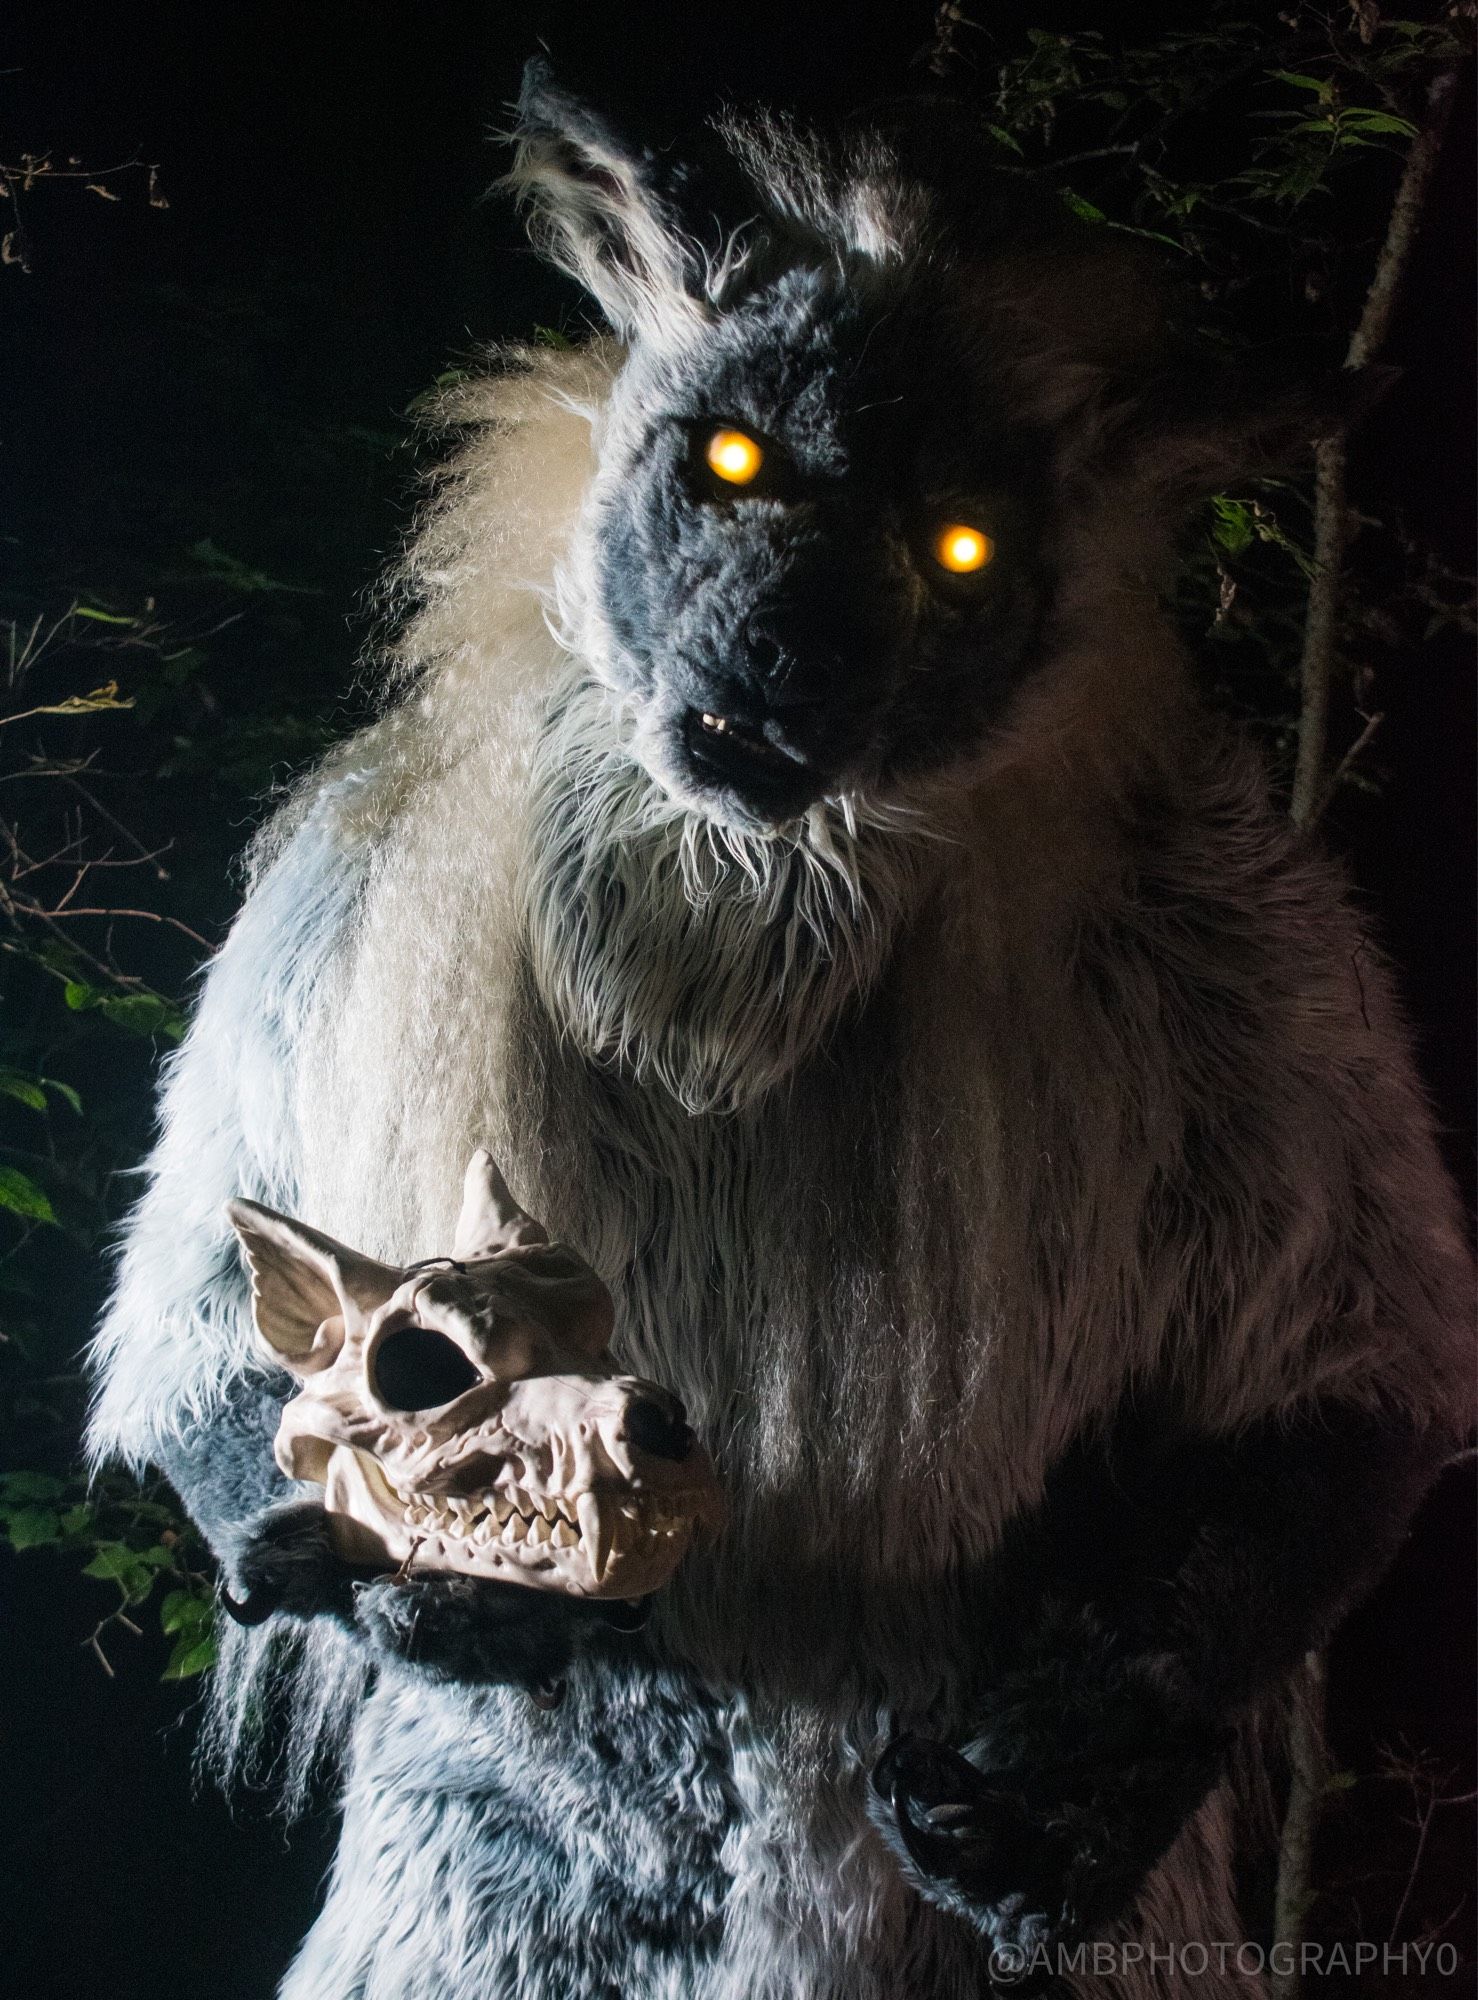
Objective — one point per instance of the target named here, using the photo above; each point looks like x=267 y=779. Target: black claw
x=951 y=1813
x=885 y=1771
x=627 y=1614
x=253 y=1609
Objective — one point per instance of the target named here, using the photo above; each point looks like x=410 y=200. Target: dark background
x=179 y=372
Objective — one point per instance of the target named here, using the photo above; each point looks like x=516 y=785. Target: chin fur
x=703 y=954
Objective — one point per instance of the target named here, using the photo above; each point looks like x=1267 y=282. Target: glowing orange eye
x=734 y=457
x=962 y=549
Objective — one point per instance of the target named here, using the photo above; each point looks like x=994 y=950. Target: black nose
x=794 y=657
x=650 y=1428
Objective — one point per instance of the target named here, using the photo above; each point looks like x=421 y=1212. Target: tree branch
x=1310 y=1776
x=1331 y=510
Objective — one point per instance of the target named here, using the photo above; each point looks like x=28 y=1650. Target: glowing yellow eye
x=962 y=549
x=734 y=457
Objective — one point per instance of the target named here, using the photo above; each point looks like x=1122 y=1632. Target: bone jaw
x=531 y=1473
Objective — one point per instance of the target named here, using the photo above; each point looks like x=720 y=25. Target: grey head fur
x=784 y=686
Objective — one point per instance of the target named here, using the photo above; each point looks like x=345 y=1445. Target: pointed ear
x=598 y=209
x=300 y=1279
x=491 y=1220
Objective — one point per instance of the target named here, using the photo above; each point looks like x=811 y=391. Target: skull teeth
x=513 y=1517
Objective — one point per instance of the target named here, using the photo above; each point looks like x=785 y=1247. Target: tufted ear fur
x=600 y=209
x=304 y=1285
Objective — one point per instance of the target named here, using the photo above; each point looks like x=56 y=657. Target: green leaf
x=97 y=698
x=31 y=1527
x=1292 y=76
x=1081 y=208
x=1232 y=525
x=1003 y=138
x=116 y=1563
x=24 y=1089
x=101 y=617
x=65 y=1092
x=237 y=575
x=112 y=1561
x=190 y=1657
x=1380 y=121
x=1341 y=1781
x=184 y=1611
x=30 y=1486
x=20 y=1194
x=139 y=1013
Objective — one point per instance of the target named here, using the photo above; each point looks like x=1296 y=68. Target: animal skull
x=461 y=1413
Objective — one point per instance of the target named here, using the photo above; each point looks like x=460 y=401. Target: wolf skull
x=461 y=1414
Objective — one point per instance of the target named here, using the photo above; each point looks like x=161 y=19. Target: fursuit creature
x=796 y=849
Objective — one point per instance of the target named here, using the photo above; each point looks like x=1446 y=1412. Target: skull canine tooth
x=597 y=1531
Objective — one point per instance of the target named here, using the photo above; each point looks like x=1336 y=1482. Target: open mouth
x=739 y=755
x=511 y=1529
x=533 y=1528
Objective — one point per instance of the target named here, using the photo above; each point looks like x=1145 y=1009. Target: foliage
x=150 y=704
x=1259 y=151
x=134 y=1542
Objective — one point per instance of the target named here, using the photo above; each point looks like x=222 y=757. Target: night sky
x=325 y=168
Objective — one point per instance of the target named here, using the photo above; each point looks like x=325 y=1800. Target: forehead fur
x=910 y=204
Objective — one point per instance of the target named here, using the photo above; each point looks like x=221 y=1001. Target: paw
x=459 y=1628
x=1038 y=1859
x=285 y=1562
x=454 y=1628
x=975 y=1848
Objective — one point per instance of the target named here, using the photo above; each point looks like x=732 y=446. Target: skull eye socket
x=417 y=1368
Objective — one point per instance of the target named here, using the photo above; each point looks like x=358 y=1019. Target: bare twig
x=161 y=874
x=25 y=906
x=1345 y=765
x=1331 y=510
x=1310 y=1776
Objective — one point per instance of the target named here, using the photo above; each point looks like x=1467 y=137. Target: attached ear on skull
x=601 y=210
x=491 y=1220
x=300 y=1279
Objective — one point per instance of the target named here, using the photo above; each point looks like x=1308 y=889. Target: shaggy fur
x=1011 y=1155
